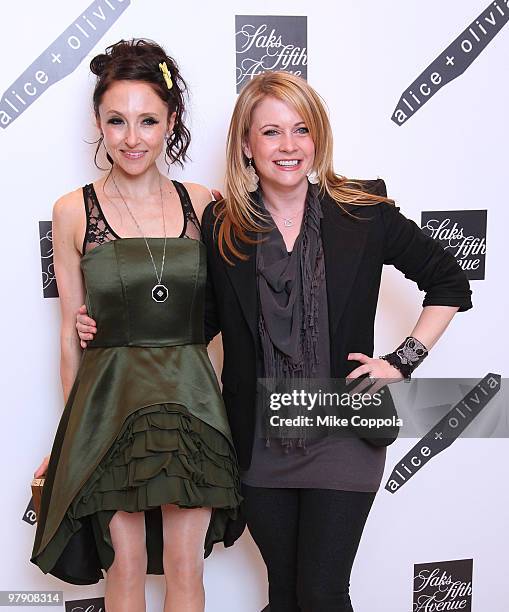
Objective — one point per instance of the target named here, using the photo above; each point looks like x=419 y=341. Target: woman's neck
x=137 y=187
x=284 y=201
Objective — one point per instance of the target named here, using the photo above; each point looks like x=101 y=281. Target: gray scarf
x=288 y=290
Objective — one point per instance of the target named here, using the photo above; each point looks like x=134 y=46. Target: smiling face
x=280 y=145
x=134 y=121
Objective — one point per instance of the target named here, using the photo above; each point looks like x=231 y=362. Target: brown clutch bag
x=37 y=484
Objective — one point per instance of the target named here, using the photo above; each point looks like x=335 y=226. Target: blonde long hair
x=236 y=214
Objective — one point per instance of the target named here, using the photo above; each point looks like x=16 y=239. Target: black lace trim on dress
x=98 y=230
x=192 y=228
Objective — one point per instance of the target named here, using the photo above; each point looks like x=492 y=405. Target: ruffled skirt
x=134 y=459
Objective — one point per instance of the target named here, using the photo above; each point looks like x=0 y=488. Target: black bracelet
x=407 y=356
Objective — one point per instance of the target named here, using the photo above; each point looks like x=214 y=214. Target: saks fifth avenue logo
x=446 y=585
x=463 y=234
x=266 y=43
x=85 y=605
x=49 y=283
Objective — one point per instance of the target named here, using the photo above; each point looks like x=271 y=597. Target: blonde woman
x=295 y=254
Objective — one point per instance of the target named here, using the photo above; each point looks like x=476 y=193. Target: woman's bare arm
x=68 y=228
x=68 y=224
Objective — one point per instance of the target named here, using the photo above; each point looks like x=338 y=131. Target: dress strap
x=98 y=230
x=191 y=228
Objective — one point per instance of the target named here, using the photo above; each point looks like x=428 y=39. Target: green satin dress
x=144 y=424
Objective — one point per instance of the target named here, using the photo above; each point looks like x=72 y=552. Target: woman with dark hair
x=142 y=475
x=295 y=254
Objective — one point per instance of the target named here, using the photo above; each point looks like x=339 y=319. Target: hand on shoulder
x=200 y=197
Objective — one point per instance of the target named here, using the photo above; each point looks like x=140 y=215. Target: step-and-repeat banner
x=417 y=94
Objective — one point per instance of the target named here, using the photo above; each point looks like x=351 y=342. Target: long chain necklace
x=159 y=291
x=287 y=221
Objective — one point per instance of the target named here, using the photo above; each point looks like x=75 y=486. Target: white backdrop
x=450 y=156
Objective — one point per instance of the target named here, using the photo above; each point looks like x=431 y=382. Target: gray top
x=333 y=462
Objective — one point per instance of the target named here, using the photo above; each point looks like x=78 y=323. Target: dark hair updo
x=138 y=60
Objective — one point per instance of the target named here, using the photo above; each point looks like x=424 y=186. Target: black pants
x=308 y=539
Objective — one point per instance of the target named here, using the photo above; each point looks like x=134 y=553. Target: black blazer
x=355 y=251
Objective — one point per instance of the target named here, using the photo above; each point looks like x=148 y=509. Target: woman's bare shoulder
x=69 y=218
x=200 y=197
x=69 y=207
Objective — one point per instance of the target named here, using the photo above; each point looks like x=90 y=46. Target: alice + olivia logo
x=60 y=58
x=265 y=43
x=453 y=61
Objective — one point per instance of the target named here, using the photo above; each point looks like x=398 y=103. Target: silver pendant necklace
x=287 y=221
x=160 y=291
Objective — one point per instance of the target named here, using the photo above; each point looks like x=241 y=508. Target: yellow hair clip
x=166 y=74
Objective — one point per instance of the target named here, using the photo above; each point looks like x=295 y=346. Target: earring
x=253 y=178
x=313 y=177
x=108 y=156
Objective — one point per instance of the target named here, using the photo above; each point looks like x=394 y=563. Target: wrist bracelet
x=407 y=356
